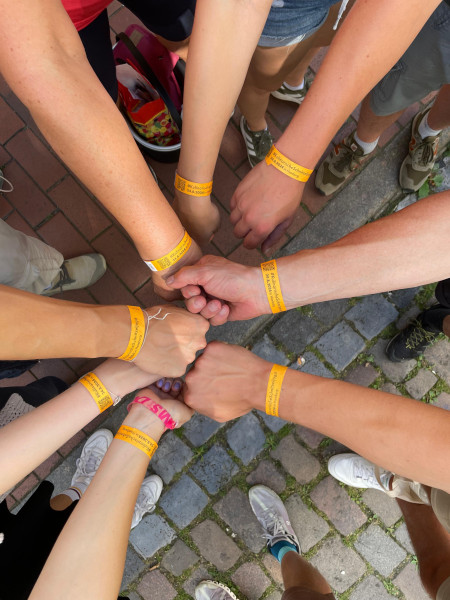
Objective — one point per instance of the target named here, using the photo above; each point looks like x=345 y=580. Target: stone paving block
x=267 y=474
x=379 y=550
x=403 y=298
x=134 y=596
x=311 y=437
x=215 y=546
x=179 y=558
x=340 y=565
x=273 y=423
x=214 y=469
x=235 y=510
x=154 y=586
x=170 y=458
x=134 y=565
x=439 y=356
x=443 y=401
x=266 y=350
x=329 y=312
x=402 y=536
x=184 y=501
x=409 y=582
x=313 y=366
x=340 y=345
x=295 y=330
x=276 y=595
x=390 y=389
x=309 y=527
x=200 y=428
x=362 y=375
x=382 y=505
x=333 y=500
x=422 y=383
x=236 y=332
x=373 y=314
x=197 y=576
x=246 y=438
x=152 y=533
x=274 y=568
x=296 y=460
x=333 y=447
x=394 y=371
x=251 y=581
x=370 y=589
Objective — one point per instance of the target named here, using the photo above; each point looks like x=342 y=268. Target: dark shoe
x=414 y=339
x=258 y=143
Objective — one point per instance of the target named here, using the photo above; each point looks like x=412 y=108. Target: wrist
x=141 y=418
x=255 y=284
x=259 y=380
x=112 y=330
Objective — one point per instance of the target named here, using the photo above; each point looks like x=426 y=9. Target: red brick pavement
x=51 y=204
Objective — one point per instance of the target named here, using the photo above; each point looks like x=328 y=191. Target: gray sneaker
x=284 y=93
x=213 y=590
x=272 y=515
x=342 y=161
x=258 y=143
x=77 y=273
x=419 y=162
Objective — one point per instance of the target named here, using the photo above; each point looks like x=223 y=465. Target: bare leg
x=60 y=502
x=446 y=326
x=370 y=125
x=297 y=571
x=431 y=543
x=271 y=66
x=439 y=115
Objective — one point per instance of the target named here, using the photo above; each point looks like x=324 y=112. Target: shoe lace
x=273 y=523
x=418 y=336
x=88 y=466
x=64 y=278
x=346 y=158
x=424 y=152
x=263 y=143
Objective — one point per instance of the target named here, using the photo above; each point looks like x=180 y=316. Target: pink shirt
x=83 y=12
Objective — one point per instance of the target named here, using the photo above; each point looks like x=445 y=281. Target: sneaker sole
x=285 y=98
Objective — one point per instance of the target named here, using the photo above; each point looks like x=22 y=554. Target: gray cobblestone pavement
x=203 y=526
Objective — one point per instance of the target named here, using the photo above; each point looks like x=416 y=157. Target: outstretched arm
x=369 y=42
x=49 y=72
x=37 y=327
x=396 y=433
x=405 y=249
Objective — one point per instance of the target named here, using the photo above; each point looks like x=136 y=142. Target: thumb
x=185 y=276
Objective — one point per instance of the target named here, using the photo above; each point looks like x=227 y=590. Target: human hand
x=159 y=277
x=198 y=215
x=263 y=206
x=222 y=290
x=121 y=377
x=178 y=410
x=227 y=382
x=173 y=338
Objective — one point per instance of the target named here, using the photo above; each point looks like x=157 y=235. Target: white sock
x=73 y=493
x=425 y=130
x=294 y=88
x=367 y=147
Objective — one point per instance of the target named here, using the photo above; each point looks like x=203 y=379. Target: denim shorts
x=291 y=21
x=424 y=67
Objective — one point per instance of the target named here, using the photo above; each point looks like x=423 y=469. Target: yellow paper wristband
x=173 y=257
x=137 y=334
x=272 y=285
x=191 y=188
x=286 y=166
x=97 y=390
x=137 y=438
x=274 y=389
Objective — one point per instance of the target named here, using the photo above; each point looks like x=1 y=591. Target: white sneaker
x=213 y=590
x=272 y=515
x=91 y=456
x=356 y=471
x=148 y=496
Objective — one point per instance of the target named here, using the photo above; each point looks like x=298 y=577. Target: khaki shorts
x=301 y=593
x=424 y=68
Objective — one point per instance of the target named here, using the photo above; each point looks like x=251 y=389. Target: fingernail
x=166 y=387
x=223 y=311
x=177 y=386
x=160 y=382
x=197 y=303
x=170 y=280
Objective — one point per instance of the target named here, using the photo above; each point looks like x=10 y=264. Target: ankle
x=367 y=147
x=256 y=124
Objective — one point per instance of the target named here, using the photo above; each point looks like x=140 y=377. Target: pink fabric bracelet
x=156 y=409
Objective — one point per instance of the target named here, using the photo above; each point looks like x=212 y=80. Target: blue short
x=291 y=21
